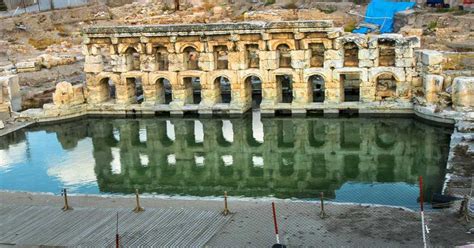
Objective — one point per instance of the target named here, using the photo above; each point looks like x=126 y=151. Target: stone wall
x=123 y=62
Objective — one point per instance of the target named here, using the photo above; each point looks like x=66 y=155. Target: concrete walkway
x=89 y=227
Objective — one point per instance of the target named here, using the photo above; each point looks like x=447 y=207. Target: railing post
x=66 y=205
x=137 y=208
x=226 y=209
x=322 y=214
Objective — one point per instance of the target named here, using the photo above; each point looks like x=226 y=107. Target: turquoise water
x=361 y=160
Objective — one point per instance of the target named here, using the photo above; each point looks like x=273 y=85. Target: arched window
x=284 y=56
x=132 y=59
x=253 y=86
x=224 y=87
x=221 y=57
x=316 y=83
x=386 y=52
x=351 y=55
x=109 y=85
x=386 y=87
x=191 y=58
x=161 y=56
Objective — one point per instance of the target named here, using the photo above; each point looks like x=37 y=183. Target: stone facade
x=296 y=66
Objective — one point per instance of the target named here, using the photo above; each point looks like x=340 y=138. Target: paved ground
x=177 y=222
x=89 y=227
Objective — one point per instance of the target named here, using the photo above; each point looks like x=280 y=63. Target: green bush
x=269 y=2
x=432 y=25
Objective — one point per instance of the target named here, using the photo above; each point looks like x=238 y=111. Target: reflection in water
x=170 y=131
x=349 y=159
x=198 y=132
x=257 y=126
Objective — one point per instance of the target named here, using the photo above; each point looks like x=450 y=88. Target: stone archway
x=109 y=89
x=191 y=58
x=132 y=59
x=385 y=87
x=317 y=86
x=253 y=86
x=351 y=54
x=223 y=86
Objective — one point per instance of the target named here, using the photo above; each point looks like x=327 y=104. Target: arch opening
x=192 y=86
x=284 y=56
x=223 y=85
x=386 y=87
x=254 y=90
x=317 y=88
x=351 y=54
x=191 y=58
x=109 y=85
x=285 y=83
x=132 y=59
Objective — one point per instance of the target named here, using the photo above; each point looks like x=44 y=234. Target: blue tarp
x=381 y=13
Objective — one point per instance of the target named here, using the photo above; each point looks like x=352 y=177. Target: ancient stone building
x=295 y=66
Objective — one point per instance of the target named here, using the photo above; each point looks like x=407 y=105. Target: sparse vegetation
x=432 y=25
x=349 y=27
x=291 y=5
x=269 y=2
x=43 y=43
x=327 y=9
x=166 y=7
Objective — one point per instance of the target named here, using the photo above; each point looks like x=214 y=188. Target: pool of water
x=362 y=160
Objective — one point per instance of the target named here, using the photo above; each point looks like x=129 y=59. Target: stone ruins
x=295 y=67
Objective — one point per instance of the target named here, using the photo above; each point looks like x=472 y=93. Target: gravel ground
x=251 y=223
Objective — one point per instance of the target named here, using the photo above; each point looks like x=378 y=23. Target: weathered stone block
x=10 y=91
x=176 y=62
x=67 y=95
x=404 y=62
x=93 y=68
x=432 y=85
x=331 y=54
x=300 y=59
x=429 y=57
x=463 y=92
x=366 y=63
x=28 y=66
